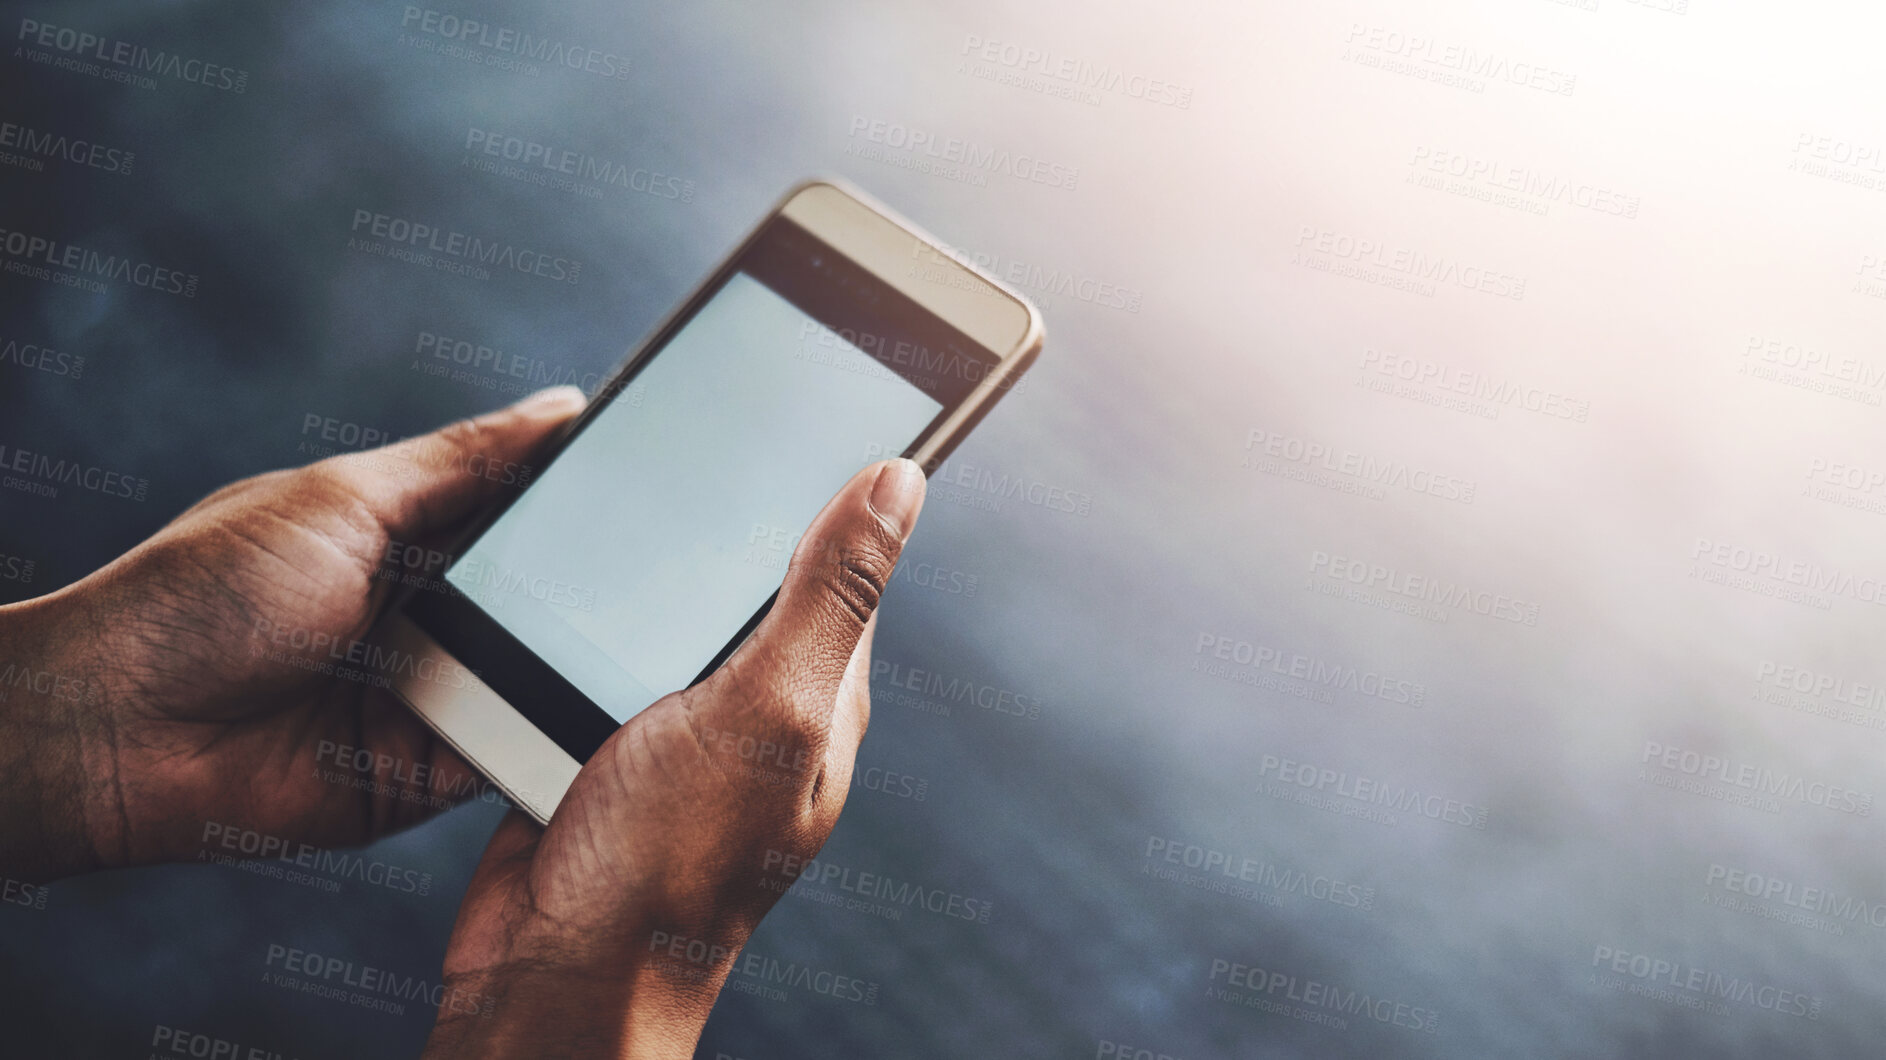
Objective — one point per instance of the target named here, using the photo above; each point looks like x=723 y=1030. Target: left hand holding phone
x=212 y=691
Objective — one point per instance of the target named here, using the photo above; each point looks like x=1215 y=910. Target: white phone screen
x=659 y=531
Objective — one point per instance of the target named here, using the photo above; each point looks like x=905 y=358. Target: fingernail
x=554 y=397
x=897 y=495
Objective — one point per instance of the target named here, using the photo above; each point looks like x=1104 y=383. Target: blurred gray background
x=1576 y=305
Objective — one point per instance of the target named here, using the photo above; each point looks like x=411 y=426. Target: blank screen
x=652 y=539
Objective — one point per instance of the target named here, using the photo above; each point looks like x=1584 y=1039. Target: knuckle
x=333 y=480
x=466 y=435
x=323 y=481
x=356 y=494
x=770 y=686
x=858 y=578
x=792 y=700
x=235 y=492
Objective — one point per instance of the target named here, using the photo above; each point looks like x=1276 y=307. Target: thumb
x=838 y=573
x=430 y=482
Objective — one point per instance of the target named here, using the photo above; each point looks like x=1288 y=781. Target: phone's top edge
x=1033 y=333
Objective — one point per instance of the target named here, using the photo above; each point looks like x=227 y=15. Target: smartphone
x=650 y=541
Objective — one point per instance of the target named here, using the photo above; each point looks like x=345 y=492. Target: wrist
x=55 y=816
x=537 y=986
x=539 y=1008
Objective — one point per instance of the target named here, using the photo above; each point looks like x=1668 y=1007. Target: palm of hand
x=224 y=711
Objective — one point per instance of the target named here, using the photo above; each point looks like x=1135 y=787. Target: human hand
x=184 y=683
x=563 y=934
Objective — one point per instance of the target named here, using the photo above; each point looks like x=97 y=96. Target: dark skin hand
x=186 y=685
x=180 y=692
x=566 y=934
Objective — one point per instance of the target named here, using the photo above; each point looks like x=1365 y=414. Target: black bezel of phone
x=836 y=291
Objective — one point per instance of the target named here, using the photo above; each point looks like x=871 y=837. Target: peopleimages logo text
x=134 y=58
x=1295 y=665
x=576 y=165
x=504 y=40
x=1751 y=777
x=39 y=143
x=1810 y=682
x=36 y=251
x=1253 y=982
x=1815 y=900
x=43 y=474
x=417 y=236
x=937 y=900
x=1443 y=592
x=1401 y=798
x=1712 y=555
x=1705 y=984
x=1077 y=72
x=964 y=153
x=1408 y=264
